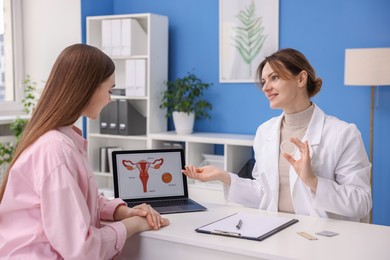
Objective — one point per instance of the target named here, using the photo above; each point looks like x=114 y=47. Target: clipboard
x=252 y=226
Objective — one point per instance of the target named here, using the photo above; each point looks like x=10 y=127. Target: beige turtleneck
x=293 y=125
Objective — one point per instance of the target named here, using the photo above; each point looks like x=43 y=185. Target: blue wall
x=322 y=30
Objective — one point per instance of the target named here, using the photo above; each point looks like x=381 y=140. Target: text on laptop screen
x=149 y=175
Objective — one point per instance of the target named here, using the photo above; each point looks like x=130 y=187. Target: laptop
x=154 y=177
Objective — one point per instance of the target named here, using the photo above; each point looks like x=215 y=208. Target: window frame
x=13 y=49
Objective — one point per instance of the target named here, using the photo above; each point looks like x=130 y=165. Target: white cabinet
x=237 y=150
x=139 y=40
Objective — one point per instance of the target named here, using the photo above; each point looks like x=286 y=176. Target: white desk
x=180 y=241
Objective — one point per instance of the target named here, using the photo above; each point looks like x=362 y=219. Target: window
x=11 y=70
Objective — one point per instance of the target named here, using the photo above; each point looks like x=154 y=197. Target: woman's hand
x=303 y=166
x=207 y=173
x=138 y=224
x=153 y=218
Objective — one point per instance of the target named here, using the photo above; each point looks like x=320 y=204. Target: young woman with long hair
x=50 y=207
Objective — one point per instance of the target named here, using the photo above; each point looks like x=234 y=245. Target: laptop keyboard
x=162 y=203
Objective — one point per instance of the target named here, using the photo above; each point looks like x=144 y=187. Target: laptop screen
x=148 y=174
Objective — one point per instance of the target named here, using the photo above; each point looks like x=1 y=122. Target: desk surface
x=180 y=241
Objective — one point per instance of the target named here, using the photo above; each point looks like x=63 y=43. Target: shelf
x=128 y=137
x=202 y=137
x=129 y=57
x=103 y=174
x=129 y=97
x=237 y=148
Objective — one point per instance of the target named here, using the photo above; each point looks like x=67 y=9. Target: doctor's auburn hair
x=290 y=62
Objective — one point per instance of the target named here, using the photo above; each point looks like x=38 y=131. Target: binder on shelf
x=106 y=37
x=130 y=77
x=104 y=116
x=171 y=145
x=118 y=91
x=130 y=120
x=140 y=77
x=103 y=166
x=135 y=77
x=116 y=38
x=247 y=226
x=110 y=150
x=105 y=153
x=109 y=118
x=134 y=38
x=126 y=37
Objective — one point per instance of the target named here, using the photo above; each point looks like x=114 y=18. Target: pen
x=226 y=233
x=239 y=224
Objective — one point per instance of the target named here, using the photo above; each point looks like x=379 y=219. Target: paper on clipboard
x=254 y=227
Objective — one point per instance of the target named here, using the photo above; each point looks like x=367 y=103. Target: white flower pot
x=184 y=123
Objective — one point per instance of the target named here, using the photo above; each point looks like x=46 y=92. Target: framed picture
x=248 y=31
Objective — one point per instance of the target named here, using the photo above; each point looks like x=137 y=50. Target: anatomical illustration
x=143 y=166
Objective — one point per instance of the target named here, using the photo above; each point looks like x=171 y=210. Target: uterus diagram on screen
x=143 y=167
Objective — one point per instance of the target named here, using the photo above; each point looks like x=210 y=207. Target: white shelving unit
x=237 y=150
x=155 y=54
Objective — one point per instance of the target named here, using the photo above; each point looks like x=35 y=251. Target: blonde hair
x=289 y=62
x=76 y=74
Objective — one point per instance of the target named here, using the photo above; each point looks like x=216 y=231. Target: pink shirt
x=51 y=208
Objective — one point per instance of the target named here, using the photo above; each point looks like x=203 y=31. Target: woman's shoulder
x=336 y=124
x=51 y=144
x=331 y=122
x=54 y=138
x=270 y=123
x=44 y=156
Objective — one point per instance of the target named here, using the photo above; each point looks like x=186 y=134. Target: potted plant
x=184 y=101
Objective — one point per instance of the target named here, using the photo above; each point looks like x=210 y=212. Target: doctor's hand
x=303 y=166
x=207 y=173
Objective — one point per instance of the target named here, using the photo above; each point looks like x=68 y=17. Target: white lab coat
x=338 y=159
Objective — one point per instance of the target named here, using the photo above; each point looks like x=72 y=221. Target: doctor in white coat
x=328 y=174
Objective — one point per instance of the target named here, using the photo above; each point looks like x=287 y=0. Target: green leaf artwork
x=249 y=39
